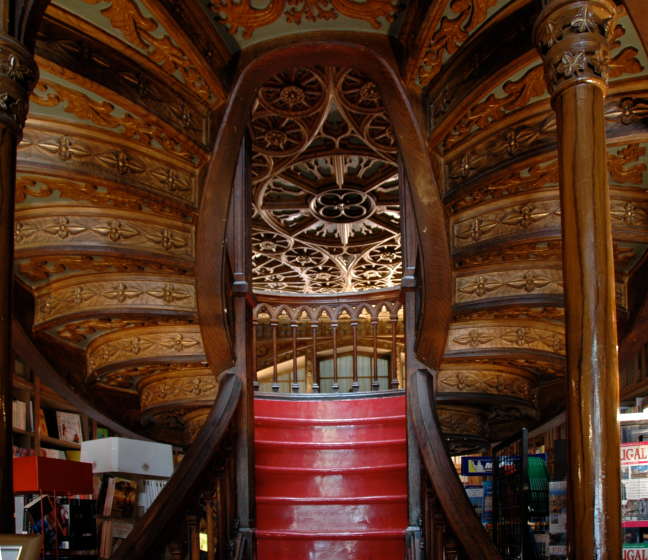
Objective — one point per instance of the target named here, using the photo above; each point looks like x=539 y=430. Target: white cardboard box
x=128 y=456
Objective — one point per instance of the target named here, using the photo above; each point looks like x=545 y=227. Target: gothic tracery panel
x=325 y=185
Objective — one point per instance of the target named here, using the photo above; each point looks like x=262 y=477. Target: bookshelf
x=36 y=396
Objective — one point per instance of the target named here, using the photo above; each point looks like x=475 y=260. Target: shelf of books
x=44 y=424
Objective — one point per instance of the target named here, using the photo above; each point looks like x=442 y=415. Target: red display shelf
x=51 y=476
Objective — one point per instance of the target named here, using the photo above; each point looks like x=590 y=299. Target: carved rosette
x=18 y=76
x=573 y=40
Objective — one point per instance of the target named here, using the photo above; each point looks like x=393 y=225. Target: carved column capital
x=573 y=39
x=18 y=76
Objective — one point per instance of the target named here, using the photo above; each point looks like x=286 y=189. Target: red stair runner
x=331 y=479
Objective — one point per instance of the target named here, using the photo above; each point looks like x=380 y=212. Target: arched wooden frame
x=373 y=57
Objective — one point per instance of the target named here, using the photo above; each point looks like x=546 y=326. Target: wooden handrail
x=443 y=477
x=148 y=535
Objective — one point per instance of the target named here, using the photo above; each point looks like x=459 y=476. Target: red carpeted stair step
x=330 y=481
x=331 y=478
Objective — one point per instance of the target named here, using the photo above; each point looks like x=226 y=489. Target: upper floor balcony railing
x=327 y=344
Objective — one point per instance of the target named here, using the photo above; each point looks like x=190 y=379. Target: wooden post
x=253 y=357
x=417 y=485
x=335 y=386
x=316 y=377
x=375 y=384
x=36 y=415
x=393 y=378
x=18 y=74
x=243 y=483
x=572 y=37
x=275 y=374
x=210 y=517
x=193 y=536
x=355 y=384
x=295 y=371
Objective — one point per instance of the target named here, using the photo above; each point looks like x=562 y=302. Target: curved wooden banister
x=151 y=532
x=448 y=488
x=29 y=353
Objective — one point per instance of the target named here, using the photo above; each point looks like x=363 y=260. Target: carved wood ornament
x=325 y=185
x=247 y=18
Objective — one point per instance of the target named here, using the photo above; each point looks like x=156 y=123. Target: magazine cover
x=125 y=498
x=557 y=520
x=69 y=426
x=637 y=551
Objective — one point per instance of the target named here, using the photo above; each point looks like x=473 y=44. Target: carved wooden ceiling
x=121 y=126
x=325 y=185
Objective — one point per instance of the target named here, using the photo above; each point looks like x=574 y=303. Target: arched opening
x=325 y=227
x=434 y=273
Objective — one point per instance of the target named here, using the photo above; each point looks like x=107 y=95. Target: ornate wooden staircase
x=335 y=480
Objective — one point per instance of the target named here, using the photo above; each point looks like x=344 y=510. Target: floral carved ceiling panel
x=325 y=185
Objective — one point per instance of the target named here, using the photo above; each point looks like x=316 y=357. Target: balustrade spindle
x=316 y=373
x=228 y=505
x=335 y=387
x=393 y=379
x=375 y=384
x=220 y=525
x=355 y=385
x=193 y=522
x=275 y=373
x=295 y=371
x=210 y=514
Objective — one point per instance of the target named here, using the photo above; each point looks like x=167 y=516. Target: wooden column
x=572 y=37
x=18 y=74
x=243 y=349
